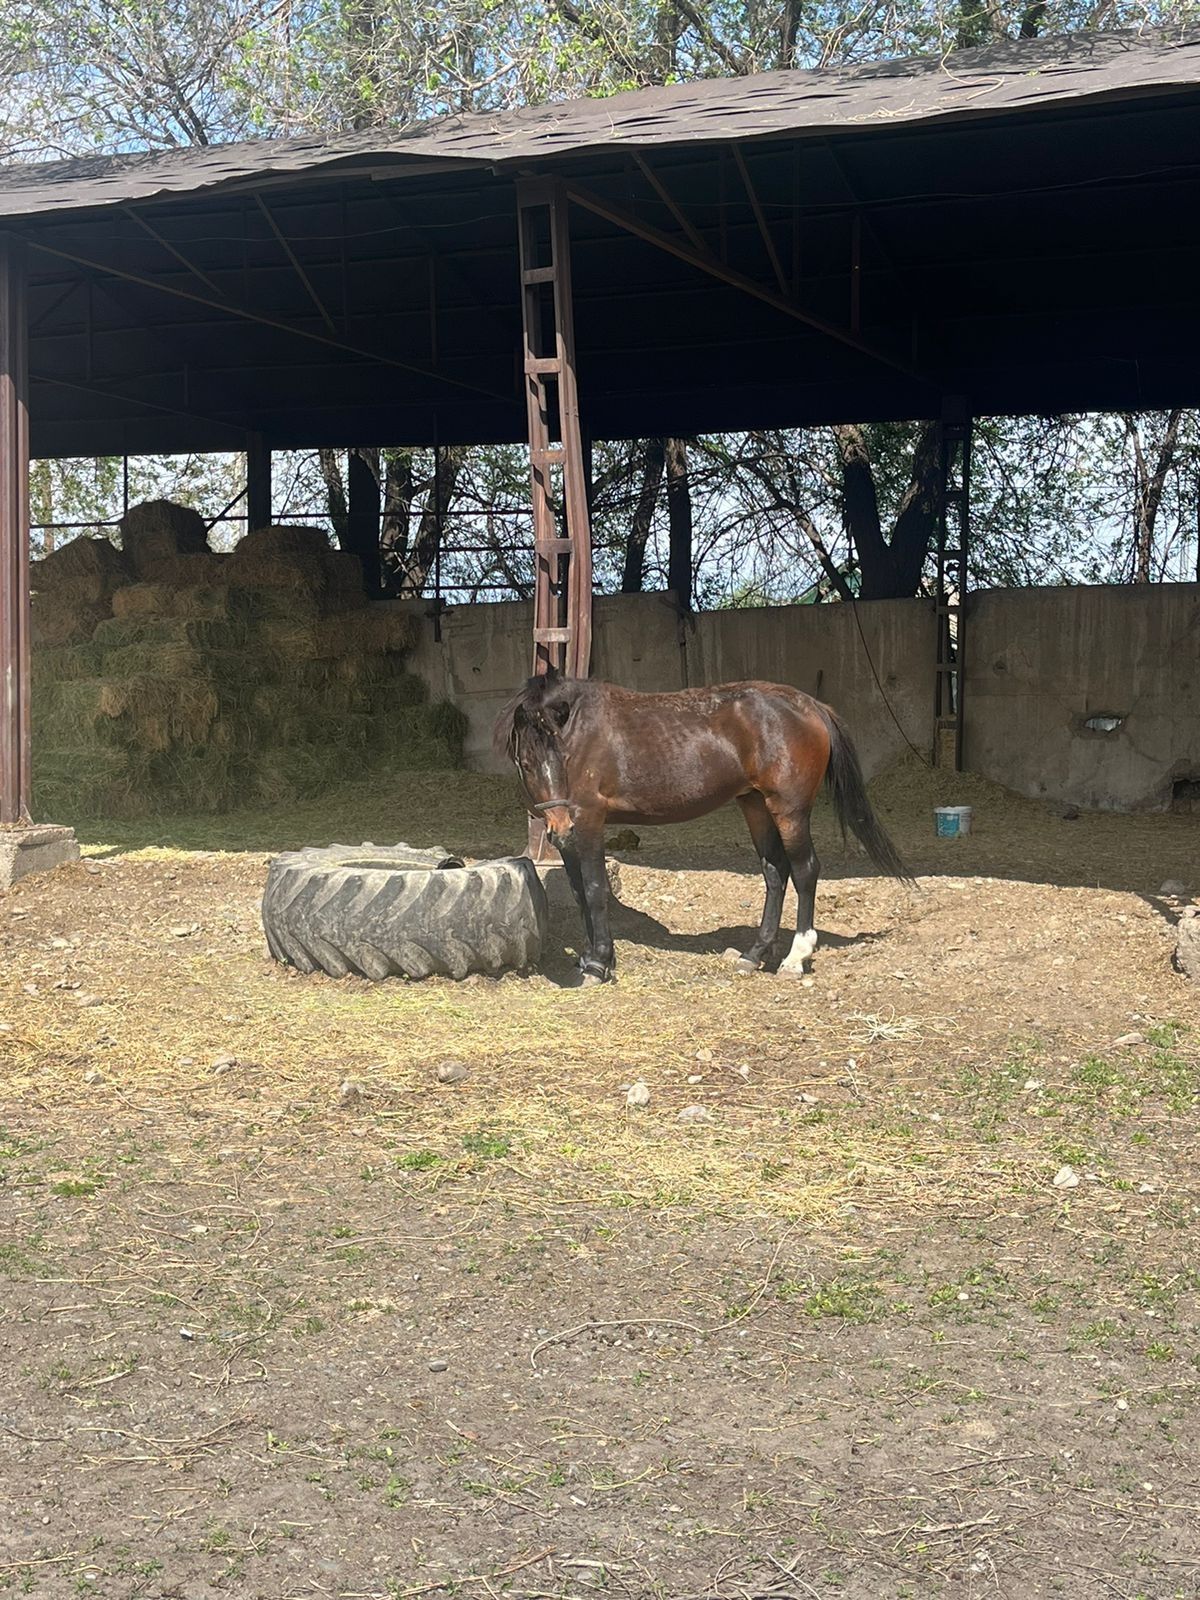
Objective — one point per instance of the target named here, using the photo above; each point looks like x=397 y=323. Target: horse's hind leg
x=775 y=869
x=796 y=833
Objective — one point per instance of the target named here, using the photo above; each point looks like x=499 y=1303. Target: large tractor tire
x=384 y=911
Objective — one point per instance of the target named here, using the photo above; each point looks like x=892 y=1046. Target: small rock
x=1145 y=1188
x=350 y=1093
x=637 y=1094
x=742 y=1070
x=1032 y=1085
x=223 y=1064
x=1174 y=889
x=1128 y=1039
x=452 y=1071
x=438 y=1366
x=1069 y=814
x=60 y=944
x=85 y=1002
x=184 y=930
x=91 y=866
x=695 y=1077
x=187 y=1333
x=1066 y=1178
x=94 y=1076
x=808 y=1099
x=731 y=954
x=704 y=1055
x=695 y=1114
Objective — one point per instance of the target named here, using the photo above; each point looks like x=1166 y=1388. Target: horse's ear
x=552 y=673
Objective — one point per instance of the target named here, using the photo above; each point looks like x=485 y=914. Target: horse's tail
x=849 y=794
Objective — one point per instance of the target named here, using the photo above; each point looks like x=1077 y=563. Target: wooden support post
x=562 y=605
x=14 y=535
x=258 y=483
x=362 y=520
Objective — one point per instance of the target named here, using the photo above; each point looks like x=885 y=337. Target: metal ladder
x=950 y=593
x=562 y=605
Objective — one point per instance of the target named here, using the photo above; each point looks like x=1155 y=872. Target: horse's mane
x=540 y=710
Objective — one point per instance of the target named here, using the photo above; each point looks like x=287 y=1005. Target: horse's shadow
x=637 y=927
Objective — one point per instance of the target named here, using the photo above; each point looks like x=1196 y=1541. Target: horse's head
x=531 y=732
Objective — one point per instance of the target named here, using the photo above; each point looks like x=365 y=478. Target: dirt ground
x=890 y=1289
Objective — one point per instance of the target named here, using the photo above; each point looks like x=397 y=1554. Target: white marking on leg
x=803 y=946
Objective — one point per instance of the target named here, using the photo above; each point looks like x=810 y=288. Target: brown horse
x=590 y=753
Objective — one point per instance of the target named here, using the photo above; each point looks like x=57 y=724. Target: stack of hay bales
x=169 y=677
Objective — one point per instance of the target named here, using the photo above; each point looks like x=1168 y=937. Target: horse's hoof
x=746 y=965
x=791 y=972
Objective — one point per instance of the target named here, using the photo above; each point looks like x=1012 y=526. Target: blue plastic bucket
x=952 y=822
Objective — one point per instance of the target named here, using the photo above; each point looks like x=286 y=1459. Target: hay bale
x=282 y=541
x=378 y=628
x=309 y=686
x=54 y=622
x=159 y=530
x=422 y=739
x=298 y=561
x=299 y=773
x=202 y=779
x=200 y=633
x=59 y=664
x=286 y=643
x=396 y=691
x=97 y=563
x=399 y=627
x=72 y=590
x=143 y=600
x=92 y=782
x=140 y=713
x=186 y=571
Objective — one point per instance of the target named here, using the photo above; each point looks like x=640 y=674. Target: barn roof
x=1018 y=225
x=1007 y=77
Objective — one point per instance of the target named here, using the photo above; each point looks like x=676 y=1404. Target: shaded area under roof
x=1018 y=226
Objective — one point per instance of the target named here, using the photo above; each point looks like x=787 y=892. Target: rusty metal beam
x=173 y=250
x=107 y=392
x=297 y=266
x=761 y=220
x=660 y=189
x=601 y=207
x=14 y=533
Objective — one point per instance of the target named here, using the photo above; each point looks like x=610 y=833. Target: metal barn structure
x=1014 y=230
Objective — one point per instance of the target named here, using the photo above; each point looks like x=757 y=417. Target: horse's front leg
x=599 y=962
x=574 y=872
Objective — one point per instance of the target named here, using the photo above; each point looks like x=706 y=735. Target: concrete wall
x=485 y=652
x=1041 y=661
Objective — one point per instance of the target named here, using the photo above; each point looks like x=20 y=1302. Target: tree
x=1150 y=478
